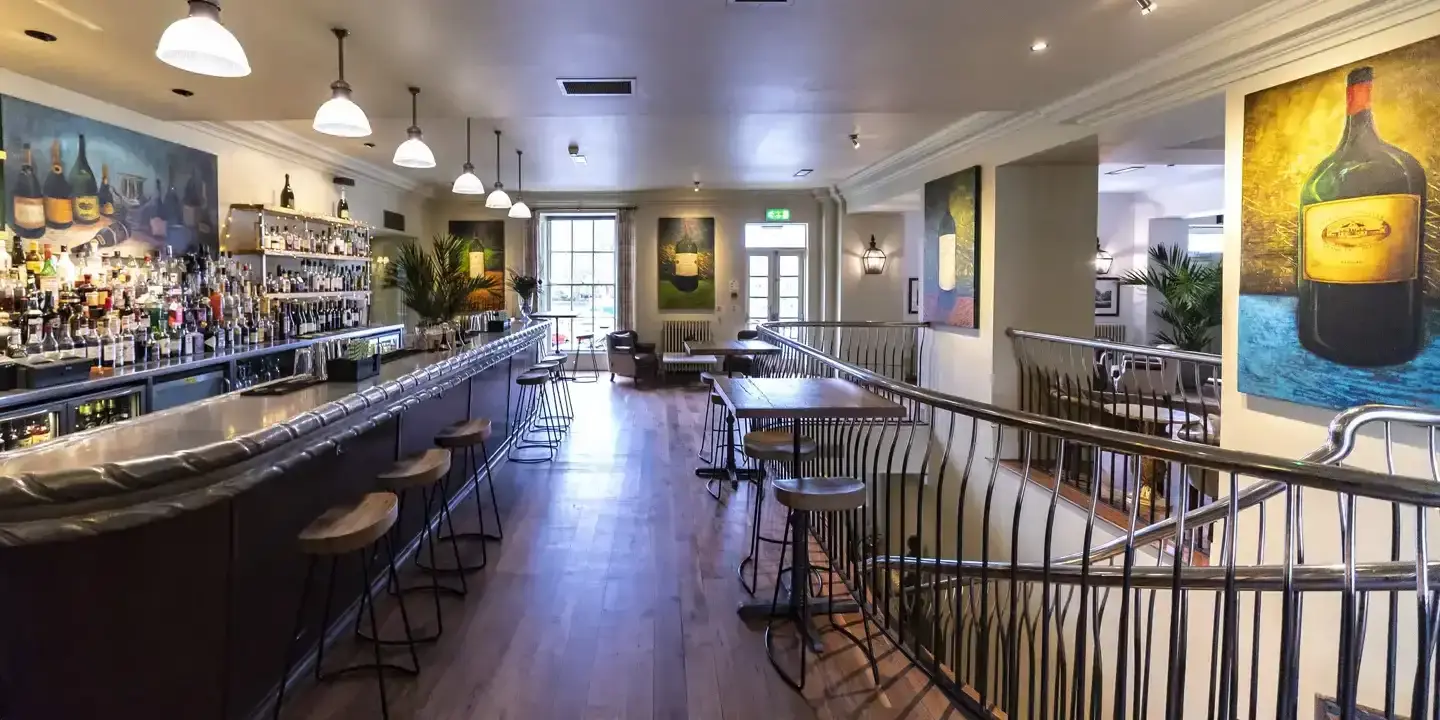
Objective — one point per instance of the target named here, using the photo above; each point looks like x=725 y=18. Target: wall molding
x=1270 y=36
x=270 y=139
x=608 y=200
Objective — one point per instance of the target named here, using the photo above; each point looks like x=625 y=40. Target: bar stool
x=562 y=410
x=804 y=496
x=344 y=530
x=466 y=435
x=594 y=376
x=533 y=401
x=426 y=471
x=714 y=422
x=764 y=446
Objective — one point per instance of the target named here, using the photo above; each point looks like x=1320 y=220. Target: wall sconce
x=1103 y=260
x=873 y=259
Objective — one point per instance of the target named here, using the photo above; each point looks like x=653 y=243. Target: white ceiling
x=732 y=95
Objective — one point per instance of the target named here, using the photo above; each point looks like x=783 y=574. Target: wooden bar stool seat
x=708 y=378
x=418 y=470
x=464 y=434
x=777 y=446
x=346 y=528
x=819 y=494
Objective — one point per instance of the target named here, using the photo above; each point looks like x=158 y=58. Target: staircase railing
x=1020 y=601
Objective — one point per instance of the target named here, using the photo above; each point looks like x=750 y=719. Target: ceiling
x=733 y=95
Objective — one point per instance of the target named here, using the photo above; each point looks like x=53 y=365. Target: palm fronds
x=1191 y=293
x=437 y=284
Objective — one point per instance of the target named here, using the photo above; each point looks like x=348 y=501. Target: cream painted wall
x=872 y=297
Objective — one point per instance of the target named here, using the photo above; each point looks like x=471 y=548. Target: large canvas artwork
x=1339 y=272
x=687 y=264
x=93 y=187
x=487 y=255
x=952 y=250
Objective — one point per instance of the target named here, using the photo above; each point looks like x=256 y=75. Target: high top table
x=570 y=326
x=799 y=399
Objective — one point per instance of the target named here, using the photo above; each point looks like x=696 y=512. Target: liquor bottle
x=1361 y=268
x=287 y=196
x=342 y=208
x=87 y=192
x=108 y=355
x=59 y=202
x=107 y=194
x=29 y=201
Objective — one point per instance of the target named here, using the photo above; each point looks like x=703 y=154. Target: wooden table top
x=554 y=316
x=730 y=347
x=803 y=398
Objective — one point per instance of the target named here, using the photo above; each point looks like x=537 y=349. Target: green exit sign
x=777 y=214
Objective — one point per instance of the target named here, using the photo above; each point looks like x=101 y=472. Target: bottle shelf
x=297 y=215
x=319 y=295
x=304 y=255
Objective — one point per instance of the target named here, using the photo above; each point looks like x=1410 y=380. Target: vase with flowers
x=528 y=288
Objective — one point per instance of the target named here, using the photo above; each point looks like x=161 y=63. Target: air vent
x=597 y=87
x=762 y=2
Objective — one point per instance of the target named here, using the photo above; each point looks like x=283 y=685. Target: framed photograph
x=912 y=302
x=1107 y=297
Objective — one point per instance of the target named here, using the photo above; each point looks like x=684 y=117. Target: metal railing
x=1318 y=590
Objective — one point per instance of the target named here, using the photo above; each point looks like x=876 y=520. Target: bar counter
x=149 y=569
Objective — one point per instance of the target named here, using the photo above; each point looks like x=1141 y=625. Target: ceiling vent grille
x=762 y=2
x=597 y=87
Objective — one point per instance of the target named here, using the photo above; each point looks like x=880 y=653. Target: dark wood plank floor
x=613 y=596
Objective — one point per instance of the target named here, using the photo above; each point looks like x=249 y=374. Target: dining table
x=797 y=400
x=730 y=347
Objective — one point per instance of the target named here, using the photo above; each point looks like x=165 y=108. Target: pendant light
x=945 y=274
x=520 y=210
x=340 y=116
x=201 y=45
x=414 y=153
x=498 y=200
x=468 y=183
x=1103 y=260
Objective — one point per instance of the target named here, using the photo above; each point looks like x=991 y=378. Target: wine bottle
x=107 y=195
x=1360 y=273
x=87 y=192
x=342 y=209
x=287 y=196
x=29 y=201
x=59 y=202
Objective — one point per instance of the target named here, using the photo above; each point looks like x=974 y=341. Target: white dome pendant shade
x=498 y=200
x=520 y=210
x=340 y=116
x=414 y=153
x=468 y=183
x=201 y=45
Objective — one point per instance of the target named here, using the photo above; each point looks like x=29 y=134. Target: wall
x=912 y=257
x=872 y=297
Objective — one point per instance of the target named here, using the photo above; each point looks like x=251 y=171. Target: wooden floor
x=613 y=595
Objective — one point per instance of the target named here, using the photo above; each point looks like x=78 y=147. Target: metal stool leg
x=798 y=598
x=494 y=502
x=437 y=492
x=531 y=402
x=467 y=479
x=756 y=537
x=708 y=434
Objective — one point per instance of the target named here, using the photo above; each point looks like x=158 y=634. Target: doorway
x=775 y=272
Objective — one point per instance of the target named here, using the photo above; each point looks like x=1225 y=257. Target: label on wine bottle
x=61 y=211
x=29 y=213
x=87 y=208
x=1372 y=239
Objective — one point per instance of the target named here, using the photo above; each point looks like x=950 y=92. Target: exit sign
x=777 y=214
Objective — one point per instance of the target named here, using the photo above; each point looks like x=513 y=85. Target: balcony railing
x=1318 y=590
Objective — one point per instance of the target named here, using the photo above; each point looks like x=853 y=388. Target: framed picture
x=912 y=301
x=952 y=250
x=686 y=260
x=487 y=256
x=1107 y=297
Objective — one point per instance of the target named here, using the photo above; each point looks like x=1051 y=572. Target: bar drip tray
x=283 y=387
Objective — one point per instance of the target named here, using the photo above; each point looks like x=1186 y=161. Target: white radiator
x=673 y=336
x=1110 y=332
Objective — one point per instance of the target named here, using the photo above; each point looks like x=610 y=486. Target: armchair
x=629 y=357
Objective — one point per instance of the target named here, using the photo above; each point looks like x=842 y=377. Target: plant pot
x=527 y=306
x=346 y=370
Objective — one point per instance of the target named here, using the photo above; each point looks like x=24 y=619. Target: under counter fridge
x=104 y=408
x=21 y=429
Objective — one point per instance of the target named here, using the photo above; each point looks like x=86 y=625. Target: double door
x=775 y=286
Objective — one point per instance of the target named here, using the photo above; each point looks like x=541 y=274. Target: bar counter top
x=184 y=442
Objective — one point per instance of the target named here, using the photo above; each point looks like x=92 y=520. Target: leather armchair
x=629 y=357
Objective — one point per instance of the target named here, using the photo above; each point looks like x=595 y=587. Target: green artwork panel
x=686 y=260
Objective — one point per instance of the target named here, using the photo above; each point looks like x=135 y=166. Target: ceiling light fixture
x=1039 y=46
x=873 y=259
x=855 y=140
x=1122 y=171
x=201 y=45
x=498 y=200
x=340 y=116
x=40 y=35
x=697 y=186
x=468 y=183
x=1146 y=6
x=1103 y=260
x=520 y=209
x=575 y=154
x=414 y=153
x=802 y=172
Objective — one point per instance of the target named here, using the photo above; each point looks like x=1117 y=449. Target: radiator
x=673 y=336
x=1110 y=332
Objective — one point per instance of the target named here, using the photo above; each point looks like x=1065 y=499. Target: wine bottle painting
x=1339 y=282
x=94 y=187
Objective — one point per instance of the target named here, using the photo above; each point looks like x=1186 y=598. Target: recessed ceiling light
x=182 y=92
x=369 y=144
x=41 y=35
x=803 y=172
x=1122 y=171
x=1039 y=46
x=1146 y=6
x=697 y=186
x=855 y=140
x=575 y=155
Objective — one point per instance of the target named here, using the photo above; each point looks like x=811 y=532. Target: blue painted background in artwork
x=1273 y=363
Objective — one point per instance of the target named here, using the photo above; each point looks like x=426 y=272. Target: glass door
x=28 y=428
x=775 y=286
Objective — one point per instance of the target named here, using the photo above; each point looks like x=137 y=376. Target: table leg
x=731 y=472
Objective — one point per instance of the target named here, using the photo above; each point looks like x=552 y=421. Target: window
x=774 y=276
x=578 y=265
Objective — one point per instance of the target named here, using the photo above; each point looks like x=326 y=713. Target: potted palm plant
x=436 y=284
x=1190 y=297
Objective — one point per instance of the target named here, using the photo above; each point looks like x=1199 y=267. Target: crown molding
x=606 y=200
x=1268 y=37
x=271 y=139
